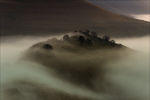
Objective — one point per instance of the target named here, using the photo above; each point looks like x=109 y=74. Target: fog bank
x=129 y=75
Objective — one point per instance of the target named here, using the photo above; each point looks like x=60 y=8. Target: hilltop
x=77 y=57
x=80 y=40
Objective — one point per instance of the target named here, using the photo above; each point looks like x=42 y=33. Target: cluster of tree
x=88 y=38
x=94 y=34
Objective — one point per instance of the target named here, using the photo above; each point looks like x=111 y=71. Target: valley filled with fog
x=129 y=76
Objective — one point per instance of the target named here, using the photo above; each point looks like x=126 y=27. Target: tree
x=65 y=37
x=106 y=38
x=113 y=41
x=81 y=39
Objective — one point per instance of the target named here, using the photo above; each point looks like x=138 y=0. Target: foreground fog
x=128 y=76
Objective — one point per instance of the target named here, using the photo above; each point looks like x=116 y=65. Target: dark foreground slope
x=40 y=17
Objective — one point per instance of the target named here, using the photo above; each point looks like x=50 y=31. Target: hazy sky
x=139 y=9
x=125 y=6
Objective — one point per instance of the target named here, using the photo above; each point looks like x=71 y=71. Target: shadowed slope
x=49 y=16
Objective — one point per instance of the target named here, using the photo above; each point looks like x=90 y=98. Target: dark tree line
x=89 y=37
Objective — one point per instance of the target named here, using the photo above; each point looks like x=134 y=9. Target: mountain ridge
x=57 y=16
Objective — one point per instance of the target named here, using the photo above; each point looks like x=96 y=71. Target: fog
x=129 y=76
x=140 y=44
x=145 y=17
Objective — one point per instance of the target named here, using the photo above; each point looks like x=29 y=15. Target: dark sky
x=128 y=7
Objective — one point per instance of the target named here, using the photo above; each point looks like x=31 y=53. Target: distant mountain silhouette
x=42 y=17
